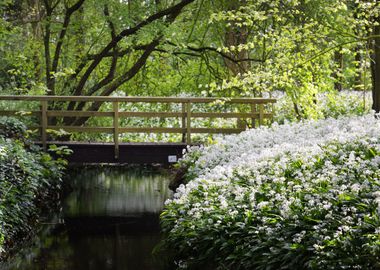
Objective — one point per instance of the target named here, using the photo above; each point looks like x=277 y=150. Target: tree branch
x=57 y=54
x=195 y=49
x=171 y=12
x=122 y=79
x=111 y=74
x=212 y=49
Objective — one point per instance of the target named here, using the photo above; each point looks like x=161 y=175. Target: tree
x=298 y=47
x=375 y=68
x=94 y=47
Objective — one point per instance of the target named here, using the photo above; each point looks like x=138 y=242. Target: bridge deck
x=131 y=153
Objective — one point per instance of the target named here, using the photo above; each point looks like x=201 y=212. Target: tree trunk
x=375 y=69
x=358 y=69
x=338 y=59
x=234 y=36
x=35 y=12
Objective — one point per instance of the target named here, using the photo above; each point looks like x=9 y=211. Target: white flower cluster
x=257 y=144
x=309 y=188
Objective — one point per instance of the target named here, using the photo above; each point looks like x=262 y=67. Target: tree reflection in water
x=111 y=221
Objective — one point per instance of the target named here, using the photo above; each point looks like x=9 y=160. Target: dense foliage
x=29 y=179
x=293 y=196
x=207 y=48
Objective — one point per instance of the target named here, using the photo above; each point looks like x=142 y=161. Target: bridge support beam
x=129 y=153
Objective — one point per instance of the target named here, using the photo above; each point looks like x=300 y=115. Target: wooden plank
x=20 y=113
x=147 y=129
x=188 y=123
x=80 y=114
x=150 y=114
x=94 y=143
x=183 y=105
x=151 y=130
x=261 y=114
x=44 y=124
x=222 y=115
x=138 y=114
x=83 y=129
x=116 y=128
x=138 y=99
x=254 y=115
x=217 y=130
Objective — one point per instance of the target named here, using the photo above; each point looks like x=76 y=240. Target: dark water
x=109 y=221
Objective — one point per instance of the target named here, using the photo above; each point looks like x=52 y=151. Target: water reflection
x=116 y=192
x=97 y=252
x=110 y=222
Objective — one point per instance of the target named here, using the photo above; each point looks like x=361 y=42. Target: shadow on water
x=110 y=220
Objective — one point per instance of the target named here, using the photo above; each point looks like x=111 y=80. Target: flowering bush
x=295 y=196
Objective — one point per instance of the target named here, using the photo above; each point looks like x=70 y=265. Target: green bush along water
x=29 y=180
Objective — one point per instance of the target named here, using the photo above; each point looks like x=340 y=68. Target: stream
x=110 y=220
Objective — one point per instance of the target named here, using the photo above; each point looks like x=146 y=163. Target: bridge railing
x=256 y=110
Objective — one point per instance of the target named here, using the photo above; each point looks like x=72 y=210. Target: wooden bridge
x=45 y=114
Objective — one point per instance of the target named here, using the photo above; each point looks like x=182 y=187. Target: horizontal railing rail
x=256 y=110
x=140 y=99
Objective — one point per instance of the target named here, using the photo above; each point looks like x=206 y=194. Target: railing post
x=116 y=128
x=183 y=121
x=44 y=123
x=188 y=122
x=261 y=114
x=253 y=111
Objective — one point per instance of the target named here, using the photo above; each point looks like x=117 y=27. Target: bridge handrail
x=257 y=113
x=139 y=99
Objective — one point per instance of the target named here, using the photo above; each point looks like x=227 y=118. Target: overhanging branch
x=170 y=12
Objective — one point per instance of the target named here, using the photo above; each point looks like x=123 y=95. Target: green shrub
x=12 y=128
x=28 y=178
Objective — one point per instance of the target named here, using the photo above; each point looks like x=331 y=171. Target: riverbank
x=294 y=196
x=30 y=183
